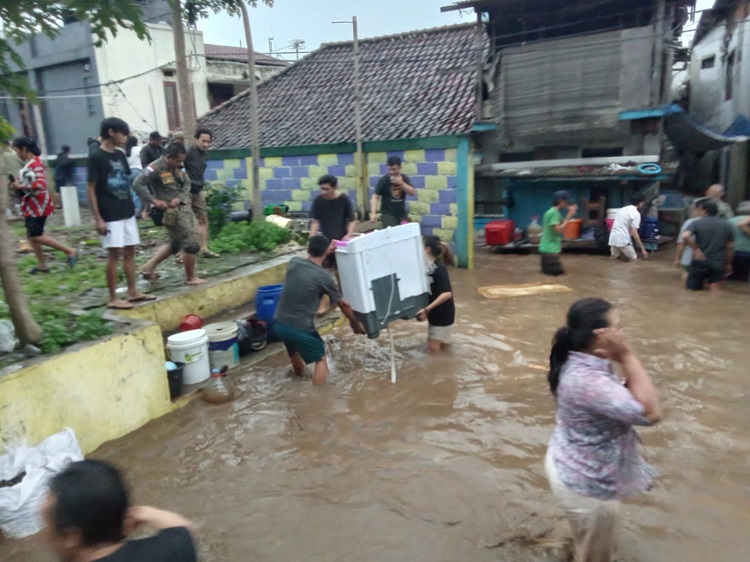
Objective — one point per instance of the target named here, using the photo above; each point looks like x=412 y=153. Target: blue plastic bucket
x=266 y=301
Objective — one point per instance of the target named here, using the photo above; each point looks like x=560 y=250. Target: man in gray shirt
x=712 y=242
x=306 y=283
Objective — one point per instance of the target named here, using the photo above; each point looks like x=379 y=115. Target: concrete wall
x=61 y=67
x=103 y=390
x=708 y=101
x=141 y=101
x=293 y=180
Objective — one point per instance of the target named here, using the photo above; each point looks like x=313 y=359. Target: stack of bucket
x=611 y=214
x=266 y=300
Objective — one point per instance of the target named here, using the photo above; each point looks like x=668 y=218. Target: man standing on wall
x=153 y=150
x=195 y=166
x=553 y=227
x=625 y=231
x=166 y=186
x=391 y=192
x=113 y=208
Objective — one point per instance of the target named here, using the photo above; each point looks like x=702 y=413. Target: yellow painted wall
x=102 y=390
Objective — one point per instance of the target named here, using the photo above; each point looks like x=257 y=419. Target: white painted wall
x=707 y=86
x=141 y=101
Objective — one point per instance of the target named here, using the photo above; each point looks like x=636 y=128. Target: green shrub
x=238 y=237
x=219 y=202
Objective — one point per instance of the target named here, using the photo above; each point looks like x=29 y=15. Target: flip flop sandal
x=150 y=276
x=210 y=254
x=36 y=270
x=143 y=298
x=123 y=306
x=73 y=261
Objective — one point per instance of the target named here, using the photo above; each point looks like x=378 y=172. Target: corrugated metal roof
x=225 y=52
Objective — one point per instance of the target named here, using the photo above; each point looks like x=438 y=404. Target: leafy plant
x=219 y=202
x=238 y=237
x=7 y=132
x=61 y=328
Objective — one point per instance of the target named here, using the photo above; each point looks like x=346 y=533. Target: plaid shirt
x=37 y=201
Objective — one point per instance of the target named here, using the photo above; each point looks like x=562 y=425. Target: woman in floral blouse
x=593 y=459
x=36 y=203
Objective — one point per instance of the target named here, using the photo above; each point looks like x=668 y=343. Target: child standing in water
x=441 y=310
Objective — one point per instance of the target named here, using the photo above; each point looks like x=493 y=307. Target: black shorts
x=551 y=265
x=699 y=272
x=330 y=261
x=35 y=226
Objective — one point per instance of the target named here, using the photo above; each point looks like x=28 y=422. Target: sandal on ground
x=210 y=254
x=142 y=298
x=35 y=270
x=119 y=305
x=152 y=276
x=73 y=260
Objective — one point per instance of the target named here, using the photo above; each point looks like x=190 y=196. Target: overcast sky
x=310 y=21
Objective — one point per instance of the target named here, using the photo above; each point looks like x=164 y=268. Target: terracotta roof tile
x=414 y=85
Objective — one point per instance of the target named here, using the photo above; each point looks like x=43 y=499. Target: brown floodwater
x=448 y=462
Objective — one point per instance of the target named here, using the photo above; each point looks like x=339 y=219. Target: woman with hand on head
x=593 y=459
x=441 y=310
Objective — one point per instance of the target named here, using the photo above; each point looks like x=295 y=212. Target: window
x=173 y=105
x=729 y=79
x=168 y=73
x=708 y=62
x=90 y=107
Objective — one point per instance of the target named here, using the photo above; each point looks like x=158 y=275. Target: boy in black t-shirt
x=88 y=517
x=391 y=191
x=114 y=212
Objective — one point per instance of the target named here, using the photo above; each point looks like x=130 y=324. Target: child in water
x=441 y=310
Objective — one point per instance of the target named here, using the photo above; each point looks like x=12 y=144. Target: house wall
x=436 y=172
x=708 y=101
x=60 y=67
x=568 y=93
x=141 y=101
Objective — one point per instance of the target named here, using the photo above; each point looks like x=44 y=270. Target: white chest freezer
x=384 y=275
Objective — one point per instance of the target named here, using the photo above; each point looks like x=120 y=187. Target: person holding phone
x=390 y=194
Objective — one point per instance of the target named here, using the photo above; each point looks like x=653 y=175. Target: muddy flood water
x=447 y=464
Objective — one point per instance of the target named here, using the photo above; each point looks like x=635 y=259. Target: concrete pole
x=254 y=117
x=480 y=68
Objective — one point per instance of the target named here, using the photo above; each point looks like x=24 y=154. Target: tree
x=184 y=84
x=196 y=9
x=20 y=20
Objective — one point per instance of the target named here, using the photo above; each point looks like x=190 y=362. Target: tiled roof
x=414 y=85
x=225 y=52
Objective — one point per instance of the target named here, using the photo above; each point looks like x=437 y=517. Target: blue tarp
x=740 y=128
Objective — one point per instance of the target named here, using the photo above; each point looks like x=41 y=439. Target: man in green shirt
x=741 y=225
x=553 y=226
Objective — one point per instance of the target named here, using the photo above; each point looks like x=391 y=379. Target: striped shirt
x=37 y=202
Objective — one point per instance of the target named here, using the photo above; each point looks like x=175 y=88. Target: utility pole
x=254 y=119
x=359 y=163
x=297 y=44
x=480 y=67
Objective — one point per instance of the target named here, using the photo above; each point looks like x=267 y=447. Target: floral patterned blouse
x=594 y=446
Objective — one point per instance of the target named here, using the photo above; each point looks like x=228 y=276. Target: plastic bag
x=7 y=336
x=21 y=502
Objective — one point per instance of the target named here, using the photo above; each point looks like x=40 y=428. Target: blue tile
x=427 y=169
x=214 y=164
x=232 y=183
x=435 y=155
x=306 y=206
x=440 y=209
x=383 y=169
x=452 y=183
x=300 y=171
x=417 y=181
x=346 y=159
x=240 y=174
x=290 y=161
x=448 y=195
x=426 y=231
x=399 y=153
x=338 y=171
x=291 y=183
x=309 y=160
x=282 y=172
x=374 y=181
x=277 y=195
x=274 y=184
x=432 y=221
x=262 y=162
x=353 y=196
x=210 y=175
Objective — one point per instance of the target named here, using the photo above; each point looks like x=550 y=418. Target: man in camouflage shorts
x=166 y=186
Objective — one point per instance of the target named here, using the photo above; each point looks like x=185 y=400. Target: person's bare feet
x=195 y=281
x=119 y=304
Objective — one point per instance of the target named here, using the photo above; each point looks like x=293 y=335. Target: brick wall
x=293 y=180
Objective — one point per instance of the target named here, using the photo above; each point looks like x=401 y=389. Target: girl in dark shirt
x=441 y=310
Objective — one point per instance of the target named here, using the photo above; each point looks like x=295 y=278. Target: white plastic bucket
x=191 y=348
x=223 y=346
x=612 y=213
x=283 y=222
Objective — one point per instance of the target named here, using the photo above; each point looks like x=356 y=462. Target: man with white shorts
x=625 y=231
x=114 y=212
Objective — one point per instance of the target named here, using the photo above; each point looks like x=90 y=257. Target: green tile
x=450 y=223
x=444 y=234
x=377 y=158
x=414 y=156
x=428 y=195
x=436 y=182
x=447 y=168
x=419 y=208
x=454 y=209
x=300 y=195
x=294 y=206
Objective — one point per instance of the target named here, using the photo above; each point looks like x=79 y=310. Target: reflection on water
x=449 y=461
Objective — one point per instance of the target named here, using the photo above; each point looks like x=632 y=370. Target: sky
x=310 y=21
